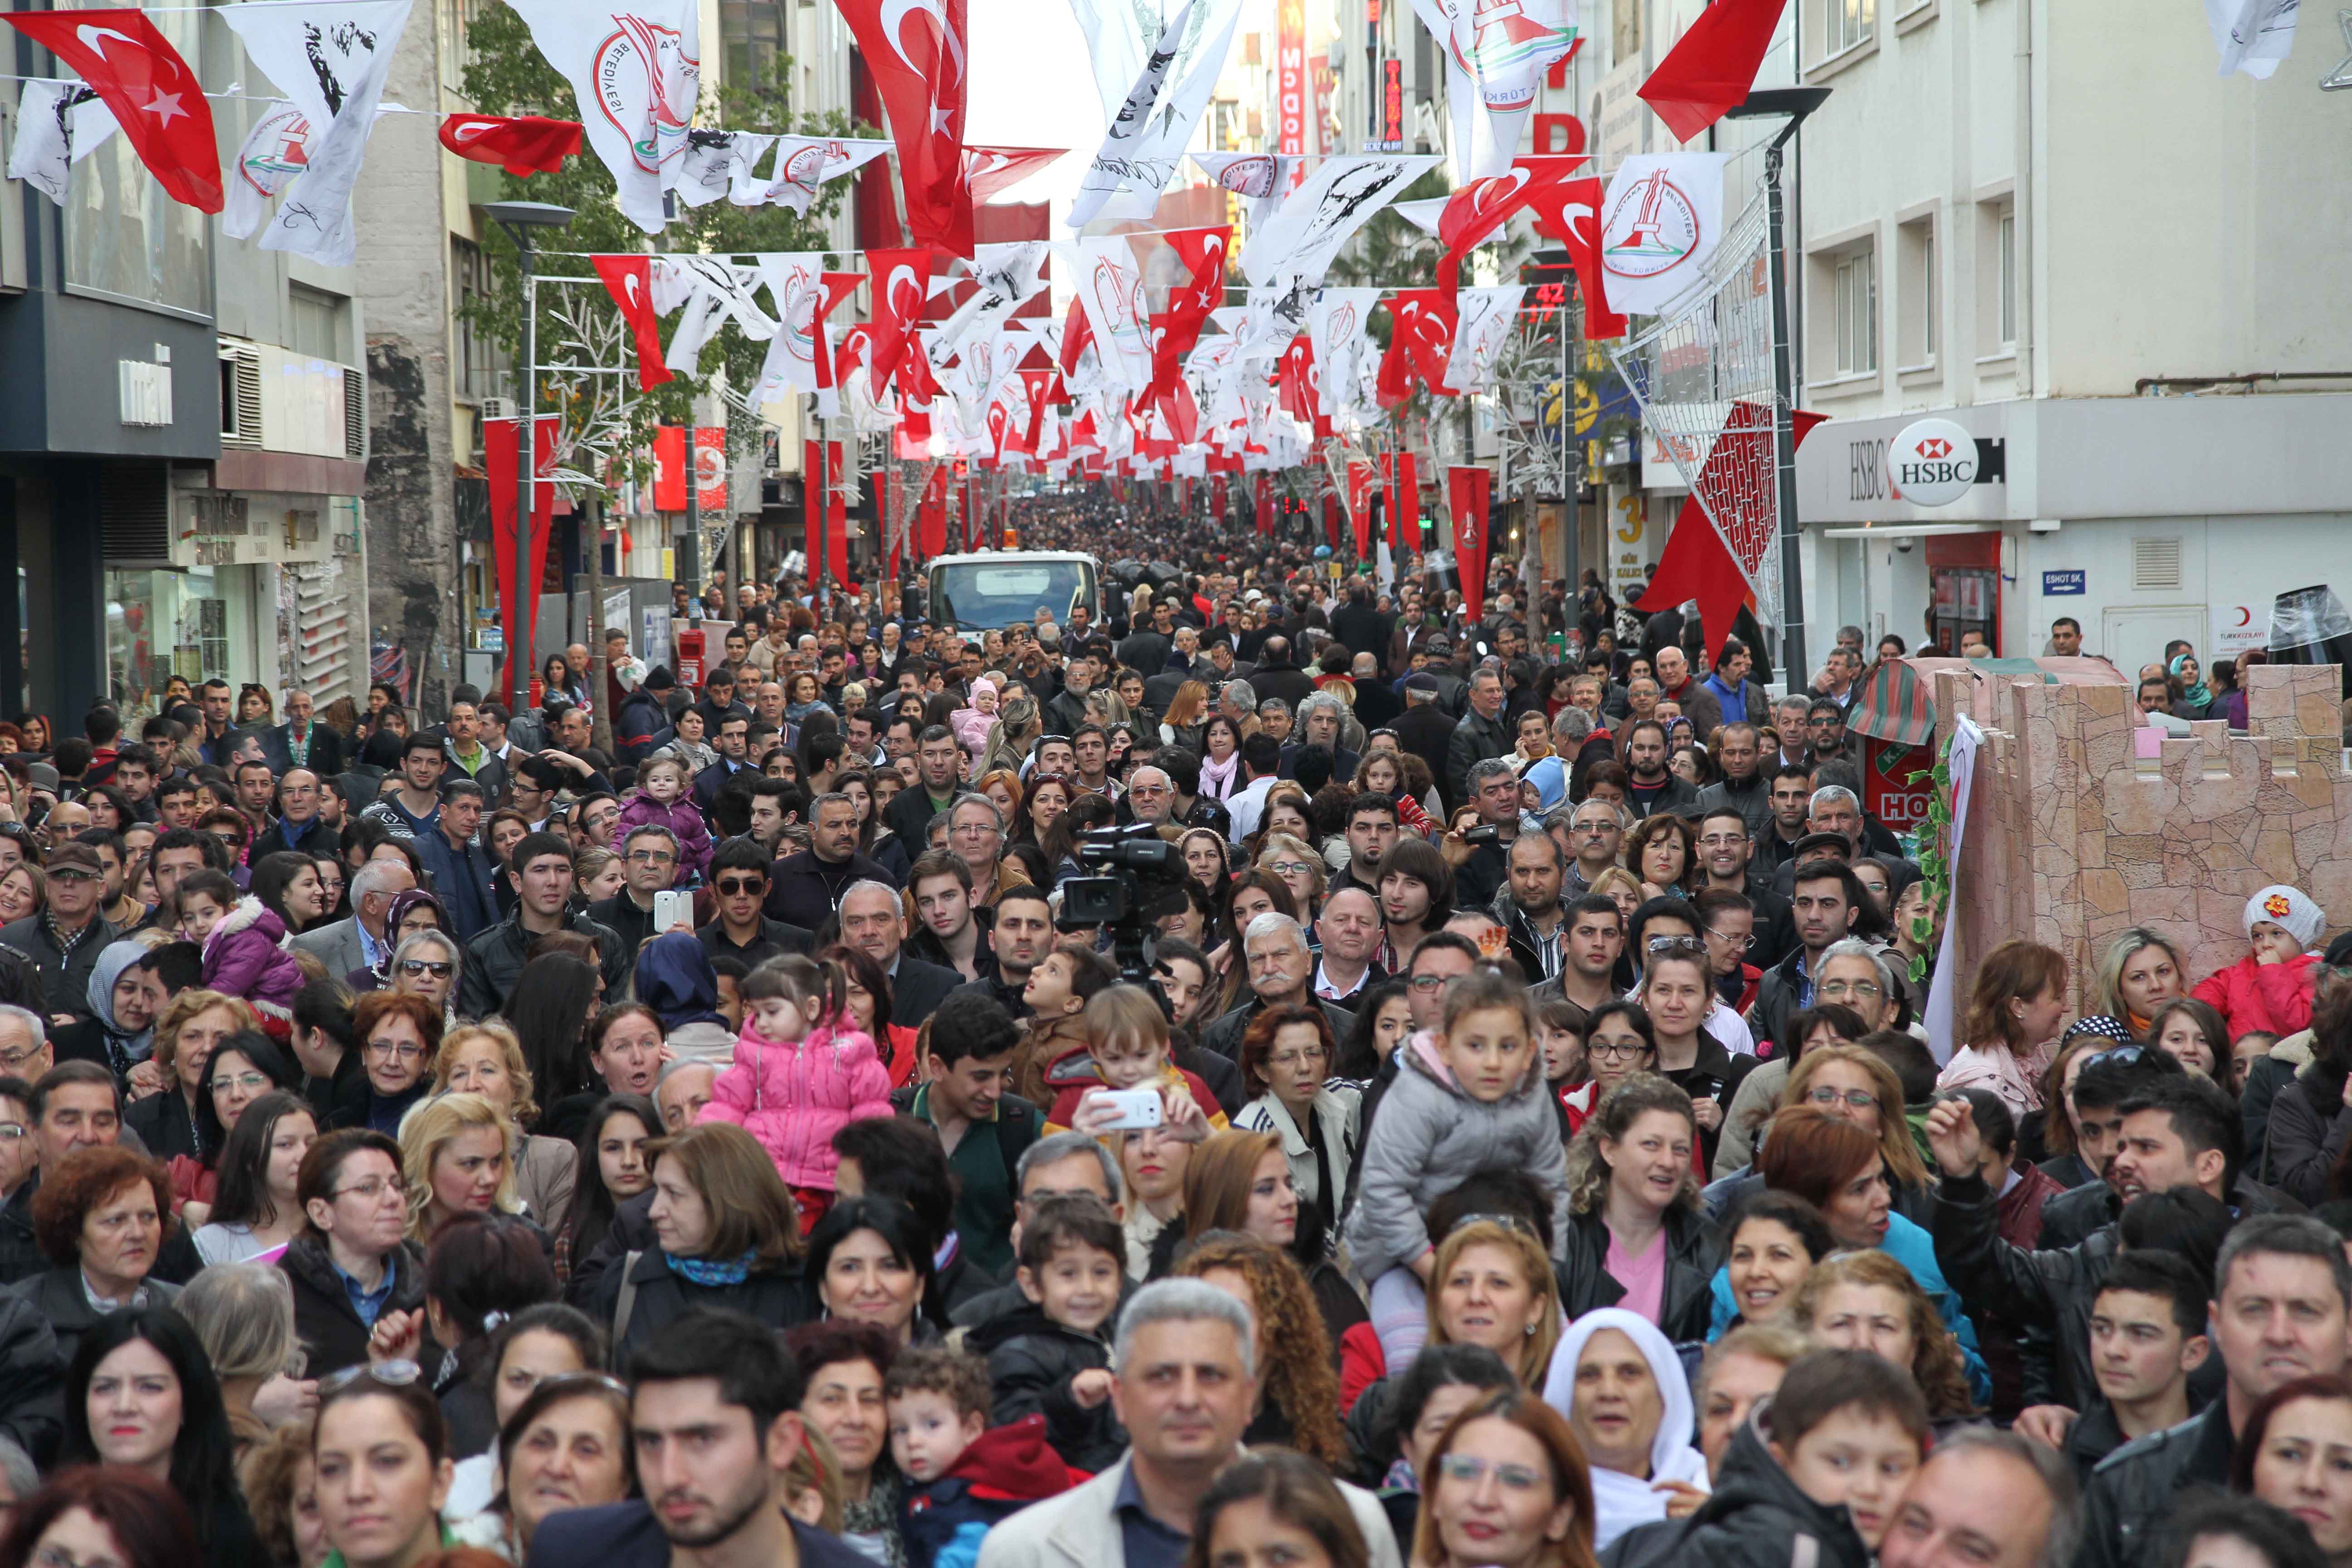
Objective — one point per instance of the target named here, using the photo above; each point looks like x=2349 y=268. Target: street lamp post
x=520 y=220
x=1794 y=104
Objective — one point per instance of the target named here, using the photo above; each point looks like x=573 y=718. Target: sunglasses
x=416 y=968
x=2122 y=1056
x=733 y=886
x=384 y=1373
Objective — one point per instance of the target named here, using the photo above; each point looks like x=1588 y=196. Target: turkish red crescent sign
x=711 y=469
x=669 y=467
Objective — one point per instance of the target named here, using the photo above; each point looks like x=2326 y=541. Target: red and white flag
x=1482 y=326
x=1110 y=290
x=630 y=281
x=157 y=100
x=520 y=144
x=900 y=280
x=989 y=170
x=1482 y=207
x=1570 y=214
x=1203 y=253
x=1712 y=66
x=1496 y=55
x=636 y=69
x=923 y=73
x=797 y=360
x=1660 y=220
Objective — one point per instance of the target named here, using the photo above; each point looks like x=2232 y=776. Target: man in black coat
x=1426 y=728
x=805 y=888
x=1360 y=627
x=731 y=739
x=301 y=743
x=1278 y=677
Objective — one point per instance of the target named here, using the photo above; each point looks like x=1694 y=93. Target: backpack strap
x=628 y=1302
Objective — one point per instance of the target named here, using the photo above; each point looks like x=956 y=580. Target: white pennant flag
x=1339 y=198
x=1424 y=216
x=712 y=288
x=58 y=123
x=1496 y=55
x=1008 y=276
x=1110 y=291
x=796 y=283
x=2253 y=36
x=804 y=163
x=1144 y=143
x=637 y=70
x=1258 y=178
x=331 y=60
x=1660 y=221
x=720 y=163
x=1484 y=318
x=1336 y=328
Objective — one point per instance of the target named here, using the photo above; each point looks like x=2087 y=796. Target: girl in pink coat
x=802 y=1072
x=970 y=724
x=661 y=801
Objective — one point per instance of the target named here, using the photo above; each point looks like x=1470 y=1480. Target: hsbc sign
x=1931 y=462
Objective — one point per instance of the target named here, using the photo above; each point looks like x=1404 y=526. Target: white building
x=2148 y=318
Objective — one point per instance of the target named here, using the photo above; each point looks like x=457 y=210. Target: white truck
x=996 y=588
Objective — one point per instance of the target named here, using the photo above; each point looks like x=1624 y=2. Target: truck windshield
x=997 y=594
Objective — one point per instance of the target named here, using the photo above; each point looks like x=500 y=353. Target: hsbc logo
x=1932 y=462
x=1935 y=446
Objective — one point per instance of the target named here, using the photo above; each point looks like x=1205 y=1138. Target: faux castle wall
x=2073 y=838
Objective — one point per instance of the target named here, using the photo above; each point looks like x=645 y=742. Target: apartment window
x=2006 y=240
x=1918 y=293
x=456 y=18
x=482 y=370
x=753 y=35
x=315 y=322
x=1848 y=22
x=1857 y=312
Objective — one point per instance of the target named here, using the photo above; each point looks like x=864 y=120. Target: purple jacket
x=244 y=957
x=680 y=817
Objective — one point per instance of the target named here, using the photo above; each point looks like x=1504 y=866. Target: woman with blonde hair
x=456 y=1154
x=1290 y=858
x=1299 y=1406
x=1868 y=1302
x=1622 y=887
x=1835 y=1080
x=1493 y=1286
x=485 y=1059
x=1016 y=727
x=2139 y=971
x=1636 y=1238
x=244 y=1314
x=1469 y=1519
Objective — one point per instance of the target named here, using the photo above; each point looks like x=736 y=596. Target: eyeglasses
x=652 y=858
x=1430 y=982
x=1470 y=1470
x=418 y=968
x=1622 y=1050
x=251 y=1082
x=398 y=1050
x=2122 y=1056
x=1745 y=942
x=1834 y=989
x=12 y=1060
x=1860 y=1099
x=73 y=874
x=1312 y=1055
x=374 y=1187
x=14 y=1132
x=58 y=1557
x=387 y=1374
x=735 y=886
x=1290 y=868
x=1723 y=841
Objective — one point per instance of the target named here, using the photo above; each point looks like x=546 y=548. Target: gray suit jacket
x=337 y=946
x=1080 y=1529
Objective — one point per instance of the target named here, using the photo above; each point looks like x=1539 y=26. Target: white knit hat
x=2289 y=909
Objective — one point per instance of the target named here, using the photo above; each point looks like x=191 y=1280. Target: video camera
x=1139 y=878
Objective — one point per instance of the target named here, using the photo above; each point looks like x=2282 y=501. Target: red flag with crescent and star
x=629 y=280
x=901 y=278
x=1203 y=253
x=522 y=144
x=923 y=72
x=1420 y=343
x=156 y=98
x=1477 y=210
x=988 y=170
x=1570 y=212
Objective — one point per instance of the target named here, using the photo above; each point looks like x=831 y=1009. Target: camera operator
x=1481 y=857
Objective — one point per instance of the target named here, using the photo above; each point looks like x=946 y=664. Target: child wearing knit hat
x=2271 y=988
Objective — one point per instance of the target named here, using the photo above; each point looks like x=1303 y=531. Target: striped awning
x=1894 y=705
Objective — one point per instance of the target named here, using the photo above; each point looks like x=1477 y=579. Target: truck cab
x=997 y=588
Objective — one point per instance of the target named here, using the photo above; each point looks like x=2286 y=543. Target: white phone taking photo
x=673 y=911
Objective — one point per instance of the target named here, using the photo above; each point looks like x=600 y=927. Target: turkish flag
x=630 y=281
x=922 y=74
x=1421 y=342
x=1569 y=213
x=1202 y=252
x=498 y=444
x=900 y=277
x=1404 y=508
x=1295 y=380
x=1078 y=332
x=838 y=286
x=988 y=170
x=1712 y=68
x=155 y=96
x=1359 y=507
x=522 y=144
x=1482 y=207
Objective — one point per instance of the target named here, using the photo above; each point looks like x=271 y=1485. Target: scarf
x=2197 y=696
x=1621 y=1501
x=124 y=1047
x=715 y=1270
x=799 y=711
x=1217 y=778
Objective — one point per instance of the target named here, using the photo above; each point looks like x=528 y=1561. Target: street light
x=520 y=219
x=1792 y=104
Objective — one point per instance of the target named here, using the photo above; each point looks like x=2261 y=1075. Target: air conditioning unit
x=499 y=408
x=240 y=398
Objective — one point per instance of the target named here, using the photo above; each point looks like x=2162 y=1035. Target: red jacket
x=2273 y=997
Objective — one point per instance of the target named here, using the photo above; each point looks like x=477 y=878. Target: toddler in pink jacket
x=802 y=1070
x=661 y=801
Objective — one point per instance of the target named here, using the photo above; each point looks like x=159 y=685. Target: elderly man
x=1281 y=972
x=297 y=825
x=976 y=834
x=1481 y=869
x=1351 y=930
x=1596 y=837
x=1318 y=725
x=1150 y=796
x=873 y=921
x=1185 y=1382
x=300 y=743
x=806 y=887
x=63 y=941
x=1676 y=685
x=1990 y=1499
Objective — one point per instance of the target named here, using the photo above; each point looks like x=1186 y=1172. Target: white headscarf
x=1621 y=1501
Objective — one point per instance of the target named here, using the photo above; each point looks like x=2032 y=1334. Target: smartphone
x=1137 y=1108
x=673 y=911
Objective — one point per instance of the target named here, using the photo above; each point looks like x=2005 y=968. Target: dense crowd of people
x=696 y=1125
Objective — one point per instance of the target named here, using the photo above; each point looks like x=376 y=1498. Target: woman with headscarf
x=676 y=980
x=2196 y=697
x=119 y=1032
x=1620 y=1386
x=402 y=920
